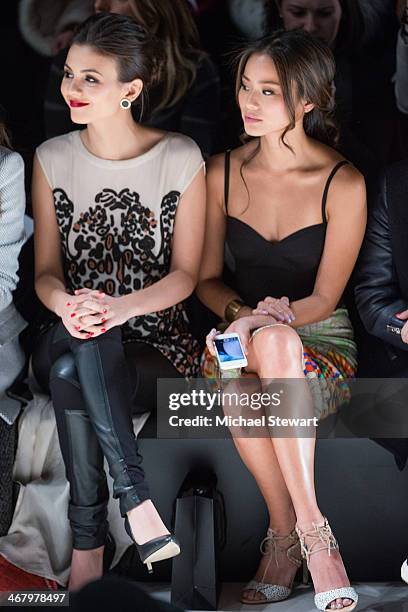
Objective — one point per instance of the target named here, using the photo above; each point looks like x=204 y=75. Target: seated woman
x=12 y=208
x=187 y=99
x=292 y=212
x=119 y=222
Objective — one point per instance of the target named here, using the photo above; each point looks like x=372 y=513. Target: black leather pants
x=93 y=388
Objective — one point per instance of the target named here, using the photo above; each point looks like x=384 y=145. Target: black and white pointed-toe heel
x=154 y=550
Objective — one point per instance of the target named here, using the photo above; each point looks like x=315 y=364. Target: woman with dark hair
x=119 y=214
x=187 y=98
x=292 y=213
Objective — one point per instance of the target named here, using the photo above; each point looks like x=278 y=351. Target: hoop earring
x=125 y=104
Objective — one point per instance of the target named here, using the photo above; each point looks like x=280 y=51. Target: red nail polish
x=103 y=320
x=103 y=330
x=104 y=311
x=69 y=304
x=78 y=327
x=73 y=315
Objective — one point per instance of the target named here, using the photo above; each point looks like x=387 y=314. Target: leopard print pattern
x=118 y=246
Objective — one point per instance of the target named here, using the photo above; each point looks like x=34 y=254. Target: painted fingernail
x=73 y=315
x=104 y=311
x=69 y=304
x=78 y=327
x=103 y=330
x=103 y=320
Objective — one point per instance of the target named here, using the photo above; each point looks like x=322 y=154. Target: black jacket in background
x=381 y=288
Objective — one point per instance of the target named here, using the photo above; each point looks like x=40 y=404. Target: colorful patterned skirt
x=329 y=360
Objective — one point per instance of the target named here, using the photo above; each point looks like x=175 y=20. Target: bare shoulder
x=216 y=164
x=215 y=175
x=348 y=182
x=244 y=152
x=347 y=194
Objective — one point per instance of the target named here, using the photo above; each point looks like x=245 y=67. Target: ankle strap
x=273 y=539
x=324 y=539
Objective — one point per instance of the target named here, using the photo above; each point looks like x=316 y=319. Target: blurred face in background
x=121 y=7
x=321 y=18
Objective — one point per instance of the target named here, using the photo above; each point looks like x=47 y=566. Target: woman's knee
x=279 y=341
x=64 y=369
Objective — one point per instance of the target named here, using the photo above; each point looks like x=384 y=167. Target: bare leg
x=146 y=523
x=276 y=353
x=260 y=458
x=86 y=566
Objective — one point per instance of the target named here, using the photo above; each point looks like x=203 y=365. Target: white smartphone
x=230 y=353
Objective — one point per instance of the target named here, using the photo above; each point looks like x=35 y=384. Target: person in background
x=119 y=212
x=187 y=99
x=362 y=35
x=382 y=291
x=291 y=211
x=12 y=235
x=48 y=27
x=12 y=357
x=401 y=74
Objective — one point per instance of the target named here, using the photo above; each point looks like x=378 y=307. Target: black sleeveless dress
x=289 y=267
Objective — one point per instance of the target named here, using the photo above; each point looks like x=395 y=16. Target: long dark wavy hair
x=306 y=70
x=173 y=23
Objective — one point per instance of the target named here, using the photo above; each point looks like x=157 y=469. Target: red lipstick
x=77 y=104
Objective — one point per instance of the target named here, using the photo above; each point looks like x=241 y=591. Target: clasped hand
x=277 y=309
x=89 y=313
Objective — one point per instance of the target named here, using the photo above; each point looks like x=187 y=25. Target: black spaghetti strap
x=326 y=187
x=226 y=178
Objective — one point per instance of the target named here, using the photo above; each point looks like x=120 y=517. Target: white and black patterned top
x=116 y=223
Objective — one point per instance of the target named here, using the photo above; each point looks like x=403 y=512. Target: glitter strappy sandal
x=325 y=540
